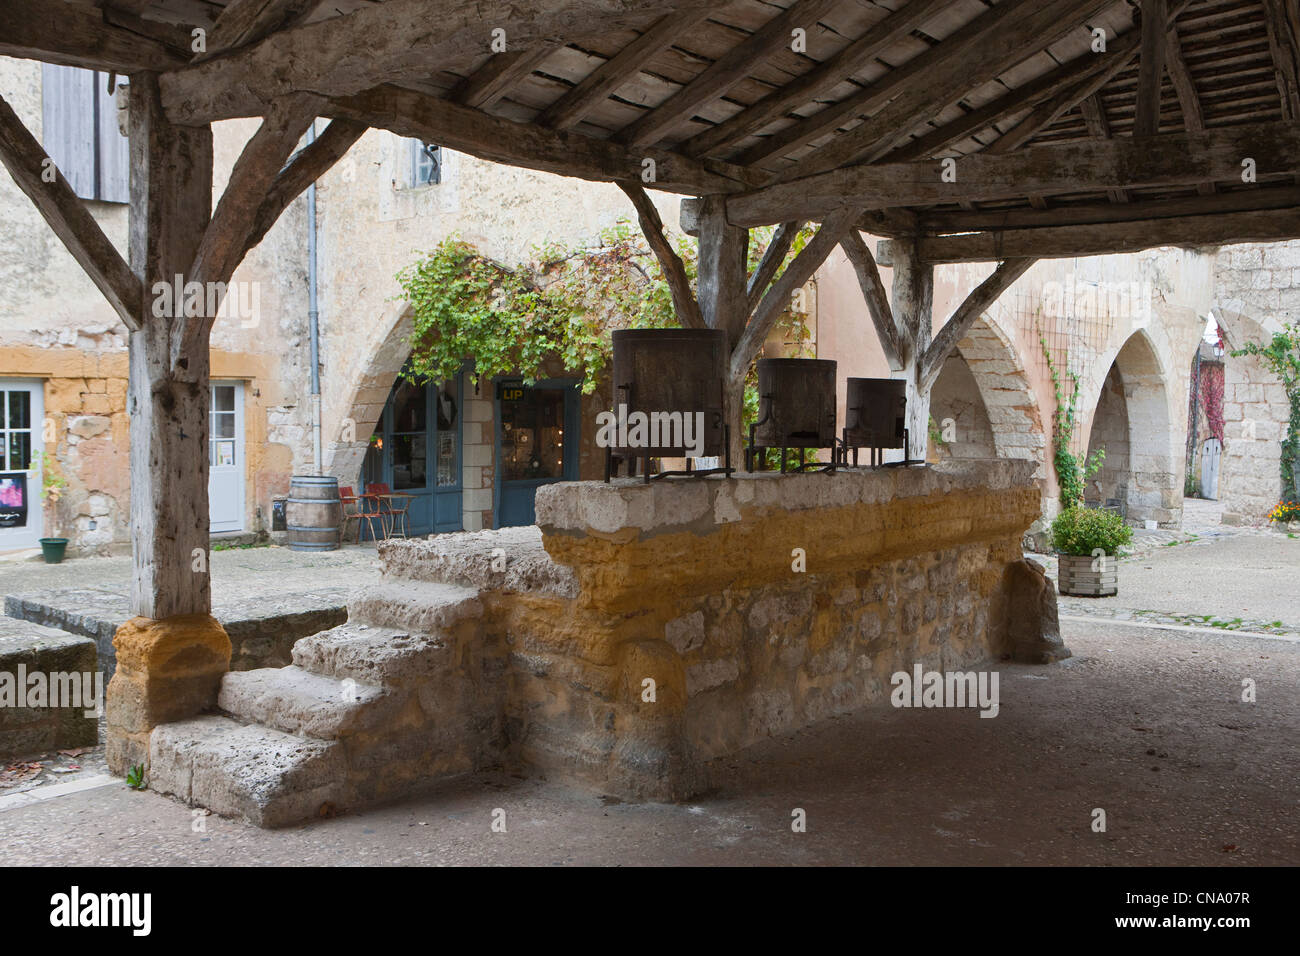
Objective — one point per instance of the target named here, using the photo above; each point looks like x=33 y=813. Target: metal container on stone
x=875 y=413
x=796 y=403
x=672 y=371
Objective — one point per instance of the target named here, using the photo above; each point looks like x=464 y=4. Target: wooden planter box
x=1076 y=575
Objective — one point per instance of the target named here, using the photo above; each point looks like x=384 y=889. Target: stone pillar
x=172 y=655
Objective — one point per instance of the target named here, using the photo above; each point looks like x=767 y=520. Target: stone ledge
x=38 y=649
x=629 y=505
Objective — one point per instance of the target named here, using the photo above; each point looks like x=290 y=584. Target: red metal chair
x=351 y=512
x=382 y=511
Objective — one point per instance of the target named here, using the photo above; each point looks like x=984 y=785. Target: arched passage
x=984 y=389
x=1131 y=421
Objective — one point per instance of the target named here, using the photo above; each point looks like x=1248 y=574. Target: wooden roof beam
x=246 y=21
x=724 y=73
x=1283 y=19
x=490 y=82
x=1189 y=100
x=385 y=43
x=1170 y=159
x=1064 y=242
x=1094 y=115
x=1008 y=34
x=819 y=80
x=570 y=109
x=71 y=36
x=685 y=304
x=1151 y=66
x=425 y=117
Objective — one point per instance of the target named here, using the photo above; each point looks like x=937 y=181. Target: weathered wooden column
x=721 y=283
x=913 y=295
x=171 y=656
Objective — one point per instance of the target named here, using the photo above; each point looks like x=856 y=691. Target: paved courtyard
x=1145 y=722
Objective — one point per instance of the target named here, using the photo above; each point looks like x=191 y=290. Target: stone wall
x=28 y=650
x=670 y=623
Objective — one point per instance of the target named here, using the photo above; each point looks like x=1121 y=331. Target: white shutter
x=68 y=124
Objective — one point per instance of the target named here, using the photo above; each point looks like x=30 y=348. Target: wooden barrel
x=313 y=513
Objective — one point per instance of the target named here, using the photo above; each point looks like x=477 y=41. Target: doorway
x=536 y=444
x=22 y=410
x=416 y=449
x=226 y=457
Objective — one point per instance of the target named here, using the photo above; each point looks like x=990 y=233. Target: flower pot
x=1086 y=576
x=53 y=549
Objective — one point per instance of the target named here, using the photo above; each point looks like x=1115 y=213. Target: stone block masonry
x=641 y=632
x=29 y=649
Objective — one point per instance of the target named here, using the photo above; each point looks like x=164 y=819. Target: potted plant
x=52 y=485
x=1285 y=514
x=1087 y=543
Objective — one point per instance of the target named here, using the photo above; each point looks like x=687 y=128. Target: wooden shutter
x=68 y=124
x=114 y=149
x=80 y=132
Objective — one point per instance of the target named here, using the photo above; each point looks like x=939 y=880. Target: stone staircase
x=407 y=691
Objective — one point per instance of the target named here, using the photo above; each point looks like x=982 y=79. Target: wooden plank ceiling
x=793 y=108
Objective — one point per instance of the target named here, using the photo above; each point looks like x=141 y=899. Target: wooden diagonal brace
x=985 y=294
x=773 y=256
x=873 y=290
x=684 y=302
x=76 y=228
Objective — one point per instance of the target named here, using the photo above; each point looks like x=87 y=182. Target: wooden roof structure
x=790 y=108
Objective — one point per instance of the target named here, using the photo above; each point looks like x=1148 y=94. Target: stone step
x=265 y=776
x=379 y=656
x=426 y=606
x=299 y=702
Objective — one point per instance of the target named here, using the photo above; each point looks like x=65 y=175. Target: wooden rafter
x=815 y=82
x=1189 y=100
x=1283 y=22
x=724 y=73
x=971 y=308
x=877 y=299
x=493 y=80
x=1008 y=34
x=71 y=36
x=1151 y=66
x=247 y=21
x=1170 y=159
x=569 y=109
x=400 y=39
x=679 y=285
x=1094 y=117
x=68 y=217
x=777 y=299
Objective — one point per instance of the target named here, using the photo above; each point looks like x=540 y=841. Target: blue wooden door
x=416 y=449
x=536 y=444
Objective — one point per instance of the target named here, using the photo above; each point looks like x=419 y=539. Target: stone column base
x=167 y=670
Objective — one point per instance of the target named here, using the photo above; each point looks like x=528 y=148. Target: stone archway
x=355 y=408
x=1009 y=405
x=1131 y=415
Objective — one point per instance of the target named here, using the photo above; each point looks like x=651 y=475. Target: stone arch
x=1009 y=404
x=1133 y=399
x=370 y=371
x=1255 y=413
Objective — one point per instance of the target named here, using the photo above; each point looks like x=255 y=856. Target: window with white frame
x=426 y=163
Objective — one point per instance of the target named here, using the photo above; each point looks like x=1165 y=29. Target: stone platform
x=641 y=633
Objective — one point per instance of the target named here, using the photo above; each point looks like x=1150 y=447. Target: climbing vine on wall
x=1072 y=470
x=561 y=304
x=1212 y=398
x=1282 y=357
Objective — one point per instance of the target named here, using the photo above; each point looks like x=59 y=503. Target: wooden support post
x=913 y=304
x=171 y=655
x=721 y=288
